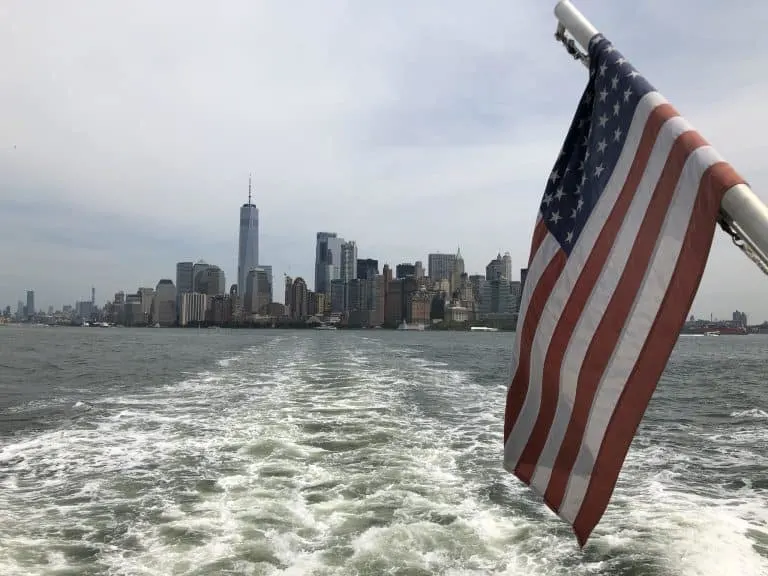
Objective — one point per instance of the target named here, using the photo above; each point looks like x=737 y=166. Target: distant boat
x=325 y=327
x=723 y=328
x=482 y=329
x=416 y=327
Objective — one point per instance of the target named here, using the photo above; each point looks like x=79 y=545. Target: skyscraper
x=30 y=302
x=498 y=268
x=208 y=279
x=348 y=270
x=164 y=305
x=458 y=270
x=506 y=261
x=184 y=277
x=441 y=266
x=321 y=257
x=327 y=260
x=405 y=270
x=258 y=292
x=419 y=269
x=367 y=269
x=248 y=254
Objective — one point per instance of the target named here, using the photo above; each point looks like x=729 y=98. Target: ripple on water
x=275 y=462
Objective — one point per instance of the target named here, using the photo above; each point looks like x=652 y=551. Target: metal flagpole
x=743 y=215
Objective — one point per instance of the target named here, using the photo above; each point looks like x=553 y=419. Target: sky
x=128 y=130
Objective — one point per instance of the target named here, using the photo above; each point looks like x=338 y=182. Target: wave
x=751 y=413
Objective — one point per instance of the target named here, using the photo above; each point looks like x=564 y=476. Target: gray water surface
x=138 y=452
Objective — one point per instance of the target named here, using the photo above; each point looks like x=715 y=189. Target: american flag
x=619 y=246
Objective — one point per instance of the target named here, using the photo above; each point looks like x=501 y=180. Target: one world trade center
x=248 y=256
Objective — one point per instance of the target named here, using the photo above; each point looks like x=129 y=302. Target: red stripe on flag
x=539 y=233
x=618 y=311
x=659 y=344
x=579 y=296
x=520 y=381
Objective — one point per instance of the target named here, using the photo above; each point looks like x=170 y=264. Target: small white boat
x=482 y=329
x=325 y=327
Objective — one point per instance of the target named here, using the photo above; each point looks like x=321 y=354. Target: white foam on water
x=226 y=362
x=278 y=462
x=751 y=413
x=693 y=533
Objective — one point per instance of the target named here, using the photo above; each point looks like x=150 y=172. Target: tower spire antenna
x=249 y=188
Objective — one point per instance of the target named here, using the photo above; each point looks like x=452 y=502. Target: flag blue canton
x=594 y=142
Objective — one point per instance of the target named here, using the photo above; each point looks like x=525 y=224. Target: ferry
x=715 y=329
x=482 y=329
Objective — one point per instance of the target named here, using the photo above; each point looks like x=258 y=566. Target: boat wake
x=306 y=457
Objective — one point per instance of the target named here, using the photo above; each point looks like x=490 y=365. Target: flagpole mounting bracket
x=570 y=45
x=742 y=241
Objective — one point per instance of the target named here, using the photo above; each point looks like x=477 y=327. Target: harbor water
x=164 y=452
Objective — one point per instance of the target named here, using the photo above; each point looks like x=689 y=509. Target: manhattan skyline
x=126 y=149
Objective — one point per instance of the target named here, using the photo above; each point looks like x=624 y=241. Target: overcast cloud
x=127 y=130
